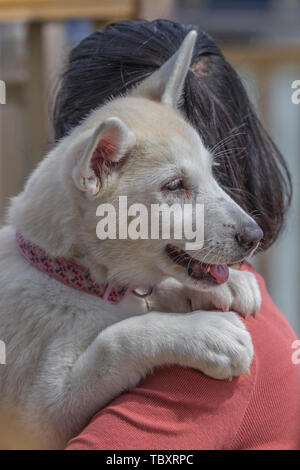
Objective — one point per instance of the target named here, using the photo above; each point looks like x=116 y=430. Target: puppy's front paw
x=240 y=293
x=226 y=347
x=246 y=293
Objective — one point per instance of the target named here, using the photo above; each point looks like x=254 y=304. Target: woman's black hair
x=111 y=61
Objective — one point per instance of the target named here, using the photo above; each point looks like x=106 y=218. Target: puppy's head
x=141 y=148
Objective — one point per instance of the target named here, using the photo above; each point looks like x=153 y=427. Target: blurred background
x=261 y=38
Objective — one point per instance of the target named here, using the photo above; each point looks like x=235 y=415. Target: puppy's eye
x=175 y=185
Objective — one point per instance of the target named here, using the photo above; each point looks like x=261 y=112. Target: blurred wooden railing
x=26 y=89
x=54 y=10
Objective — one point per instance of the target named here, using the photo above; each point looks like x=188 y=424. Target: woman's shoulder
x=272 y=416
x=270 y=323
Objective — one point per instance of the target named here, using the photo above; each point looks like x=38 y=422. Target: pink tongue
x=220 y=272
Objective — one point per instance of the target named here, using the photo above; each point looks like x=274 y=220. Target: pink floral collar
x=70 y=273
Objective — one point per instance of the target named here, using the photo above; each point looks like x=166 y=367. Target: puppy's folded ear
x=167 y=83
x=106 y=147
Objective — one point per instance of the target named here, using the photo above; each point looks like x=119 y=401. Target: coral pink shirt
x=176 y=408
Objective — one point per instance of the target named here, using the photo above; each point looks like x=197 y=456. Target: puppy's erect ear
x=106 y=147
x=166 y=84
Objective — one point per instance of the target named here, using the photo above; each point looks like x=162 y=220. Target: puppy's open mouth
x=217 y=273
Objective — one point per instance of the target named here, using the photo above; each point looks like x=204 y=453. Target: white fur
x=69 y=353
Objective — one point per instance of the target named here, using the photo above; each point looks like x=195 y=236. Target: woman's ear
x=106 y=147
x=167 y=83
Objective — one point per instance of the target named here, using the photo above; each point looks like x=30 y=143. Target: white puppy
x=68 y=352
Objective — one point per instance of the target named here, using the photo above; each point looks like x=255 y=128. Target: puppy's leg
x=240 y=293
x=214 y=343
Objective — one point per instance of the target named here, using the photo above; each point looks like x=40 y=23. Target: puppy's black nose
x=249 y=236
